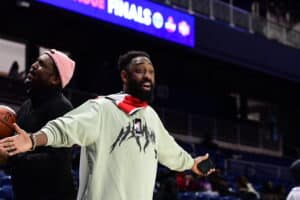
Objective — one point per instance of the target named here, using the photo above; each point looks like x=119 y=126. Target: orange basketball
x=7 y=118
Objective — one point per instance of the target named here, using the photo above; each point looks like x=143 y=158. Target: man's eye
x=139 y=71
x=41 y=64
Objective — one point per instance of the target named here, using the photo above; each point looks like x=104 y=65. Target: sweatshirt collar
x=127 y=103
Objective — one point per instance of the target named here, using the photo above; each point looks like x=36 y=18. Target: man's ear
x=124 y=76
x=55 y=80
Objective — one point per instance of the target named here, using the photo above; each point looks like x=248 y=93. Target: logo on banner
x=94 y=3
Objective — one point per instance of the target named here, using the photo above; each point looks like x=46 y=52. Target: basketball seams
x=8 y=108
x=6 y=124
x=7 y=118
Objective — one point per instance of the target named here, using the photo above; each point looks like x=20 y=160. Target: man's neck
x=39 y=96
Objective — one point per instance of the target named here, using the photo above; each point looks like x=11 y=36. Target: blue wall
x=250 y=50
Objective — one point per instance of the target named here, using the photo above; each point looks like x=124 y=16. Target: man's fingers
x=201 y=158
x=12 y=153
x=12 y=150
x=9 y=147
x=211 y=171
x=205 y=156
x=6 y=140
x=13 y=145
x=18 y=129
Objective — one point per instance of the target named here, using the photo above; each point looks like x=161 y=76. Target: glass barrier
x=256 y=169
x=181 y=3
x=245 y=135
x=221 y=11
x=241 y=18
x=202 y=7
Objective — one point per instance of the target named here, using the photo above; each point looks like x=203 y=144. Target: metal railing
x=236 y=17
x=256 y=169
x=233 y=134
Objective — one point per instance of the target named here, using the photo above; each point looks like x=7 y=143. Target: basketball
x=7 y=118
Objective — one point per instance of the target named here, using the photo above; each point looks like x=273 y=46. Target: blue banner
x=140 y=15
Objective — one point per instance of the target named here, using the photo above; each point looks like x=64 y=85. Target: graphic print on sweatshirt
x=138 y=131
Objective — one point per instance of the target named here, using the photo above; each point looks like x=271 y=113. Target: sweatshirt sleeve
x=80 y=126
x=170 y=153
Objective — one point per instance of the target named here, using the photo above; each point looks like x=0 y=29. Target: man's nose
x=34 y=66
x=148 y=75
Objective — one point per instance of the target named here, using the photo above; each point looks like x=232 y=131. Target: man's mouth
x=147 y=86
x=30 y=75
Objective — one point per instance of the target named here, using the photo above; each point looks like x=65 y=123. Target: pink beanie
x=64 y=64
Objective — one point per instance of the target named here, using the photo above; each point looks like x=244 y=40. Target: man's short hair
x=125 y=59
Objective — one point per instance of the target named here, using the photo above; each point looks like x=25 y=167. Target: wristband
x=33 y=141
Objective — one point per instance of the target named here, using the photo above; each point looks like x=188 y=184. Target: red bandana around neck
x=128 y=103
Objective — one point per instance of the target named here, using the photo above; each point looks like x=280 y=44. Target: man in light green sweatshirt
x=122 y=138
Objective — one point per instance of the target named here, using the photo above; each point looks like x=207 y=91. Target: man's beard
x=28 y=85
x=135 y=90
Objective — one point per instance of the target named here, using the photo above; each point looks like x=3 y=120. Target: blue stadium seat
x=5 y=180
x=228 y=198
x=6 y=192
x=187 y=196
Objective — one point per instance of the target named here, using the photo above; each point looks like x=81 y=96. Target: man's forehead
x=45 y=58
x=141 y=60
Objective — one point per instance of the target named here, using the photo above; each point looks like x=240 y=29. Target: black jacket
x=43 y=174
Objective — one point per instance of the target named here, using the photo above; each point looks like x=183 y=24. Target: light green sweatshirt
x=120 y=152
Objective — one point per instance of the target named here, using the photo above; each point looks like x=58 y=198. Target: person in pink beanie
x=64 y=65
x=47 y=172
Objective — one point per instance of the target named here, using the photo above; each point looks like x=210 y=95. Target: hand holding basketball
x=7 y=119
x=18 y=143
